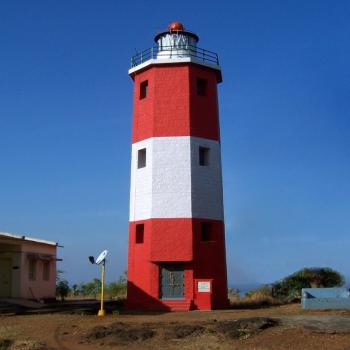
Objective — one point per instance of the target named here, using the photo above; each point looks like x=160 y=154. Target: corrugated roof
x=25 y=238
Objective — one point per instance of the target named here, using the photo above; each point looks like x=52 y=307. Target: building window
x=206 y=232
x=46 y=270
x=32 y=270
x=203 y=156
x=141 y=158
x=140 y=230
x=201 y=87
x=144 y=89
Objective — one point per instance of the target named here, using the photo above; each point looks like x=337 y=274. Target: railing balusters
x=192 y=51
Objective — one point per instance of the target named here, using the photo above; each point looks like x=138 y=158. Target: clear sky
x=65 y=122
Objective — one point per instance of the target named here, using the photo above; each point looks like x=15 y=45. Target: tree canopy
x=314 y=277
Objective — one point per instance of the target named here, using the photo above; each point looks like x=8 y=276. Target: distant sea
x=245 y=288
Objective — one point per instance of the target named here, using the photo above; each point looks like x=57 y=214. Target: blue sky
x=65 y=122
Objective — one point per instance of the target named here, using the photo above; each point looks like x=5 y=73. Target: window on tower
x=141 y=158
x=144 y=89
x=206 y=232
x=201 y=87
x=140 y=230
x=203 y=156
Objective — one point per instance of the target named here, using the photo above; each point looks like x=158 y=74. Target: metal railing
x=175 y=51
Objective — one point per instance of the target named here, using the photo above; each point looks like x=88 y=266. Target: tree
x=62 y=285
x=290 y=287
x=92 y=288
x=117 y=289
x=62 y=289
x=75 y=289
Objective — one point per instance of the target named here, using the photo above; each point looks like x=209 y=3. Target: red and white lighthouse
x=176 y=257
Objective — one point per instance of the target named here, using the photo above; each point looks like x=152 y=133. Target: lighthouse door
x=171 y=281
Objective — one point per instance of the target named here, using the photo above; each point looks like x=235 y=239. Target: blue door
x=171 y=281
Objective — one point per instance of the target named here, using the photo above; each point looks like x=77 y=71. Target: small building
x=27 y=267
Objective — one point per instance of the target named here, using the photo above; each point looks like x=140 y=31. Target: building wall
x=176 y=241
x=19 y=252
x=210 y=261
x=39 y=288
x=12 y=252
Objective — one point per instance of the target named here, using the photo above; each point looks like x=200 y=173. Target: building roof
x=25 y=238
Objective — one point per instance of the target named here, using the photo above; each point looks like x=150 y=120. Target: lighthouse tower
x=176 y=258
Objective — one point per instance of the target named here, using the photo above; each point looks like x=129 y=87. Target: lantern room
x=176 y=42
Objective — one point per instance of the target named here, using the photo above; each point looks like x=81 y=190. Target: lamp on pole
x=101 y=260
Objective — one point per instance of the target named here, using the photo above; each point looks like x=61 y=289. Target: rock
x=119 y=333
x=244 y=327
x=183 y=331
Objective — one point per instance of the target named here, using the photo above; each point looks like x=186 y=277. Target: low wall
x=325 y=298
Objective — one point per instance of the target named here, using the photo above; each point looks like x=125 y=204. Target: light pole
x=101 y=260
x=102 y=311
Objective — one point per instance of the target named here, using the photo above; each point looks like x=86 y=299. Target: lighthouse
x=176 y=250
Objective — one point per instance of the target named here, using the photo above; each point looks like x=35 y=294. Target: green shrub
x=62 y=289
x=233 y=293
x=263 y=291
x=62 y=285
x=91 y=288
x=315 y=277
x=117 y=289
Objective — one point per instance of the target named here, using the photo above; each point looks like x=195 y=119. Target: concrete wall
x=325 y=298
x=39 y=288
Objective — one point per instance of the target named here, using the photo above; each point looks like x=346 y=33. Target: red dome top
x=175 y=26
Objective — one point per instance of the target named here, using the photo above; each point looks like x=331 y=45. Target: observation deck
x=176 y=45
x=173 y=52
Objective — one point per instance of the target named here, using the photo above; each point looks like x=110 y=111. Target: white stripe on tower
x=173 y=184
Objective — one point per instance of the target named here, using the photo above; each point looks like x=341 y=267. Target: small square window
x=201 y=87
x=140 y=230
x=141 y=158
x=206 y=232
x=144 y=89
x=203 y=156
x=46 y=270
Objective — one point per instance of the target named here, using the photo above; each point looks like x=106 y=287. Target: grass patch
x=5 y=344
x=10 y=344
x=255 y=301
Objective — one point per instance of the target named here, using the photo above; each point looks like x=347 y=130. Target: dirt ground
x=275 y=328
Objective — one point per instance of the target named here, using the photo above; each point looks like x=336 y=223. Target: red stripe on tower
x=173 y=107
x=176 y=257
